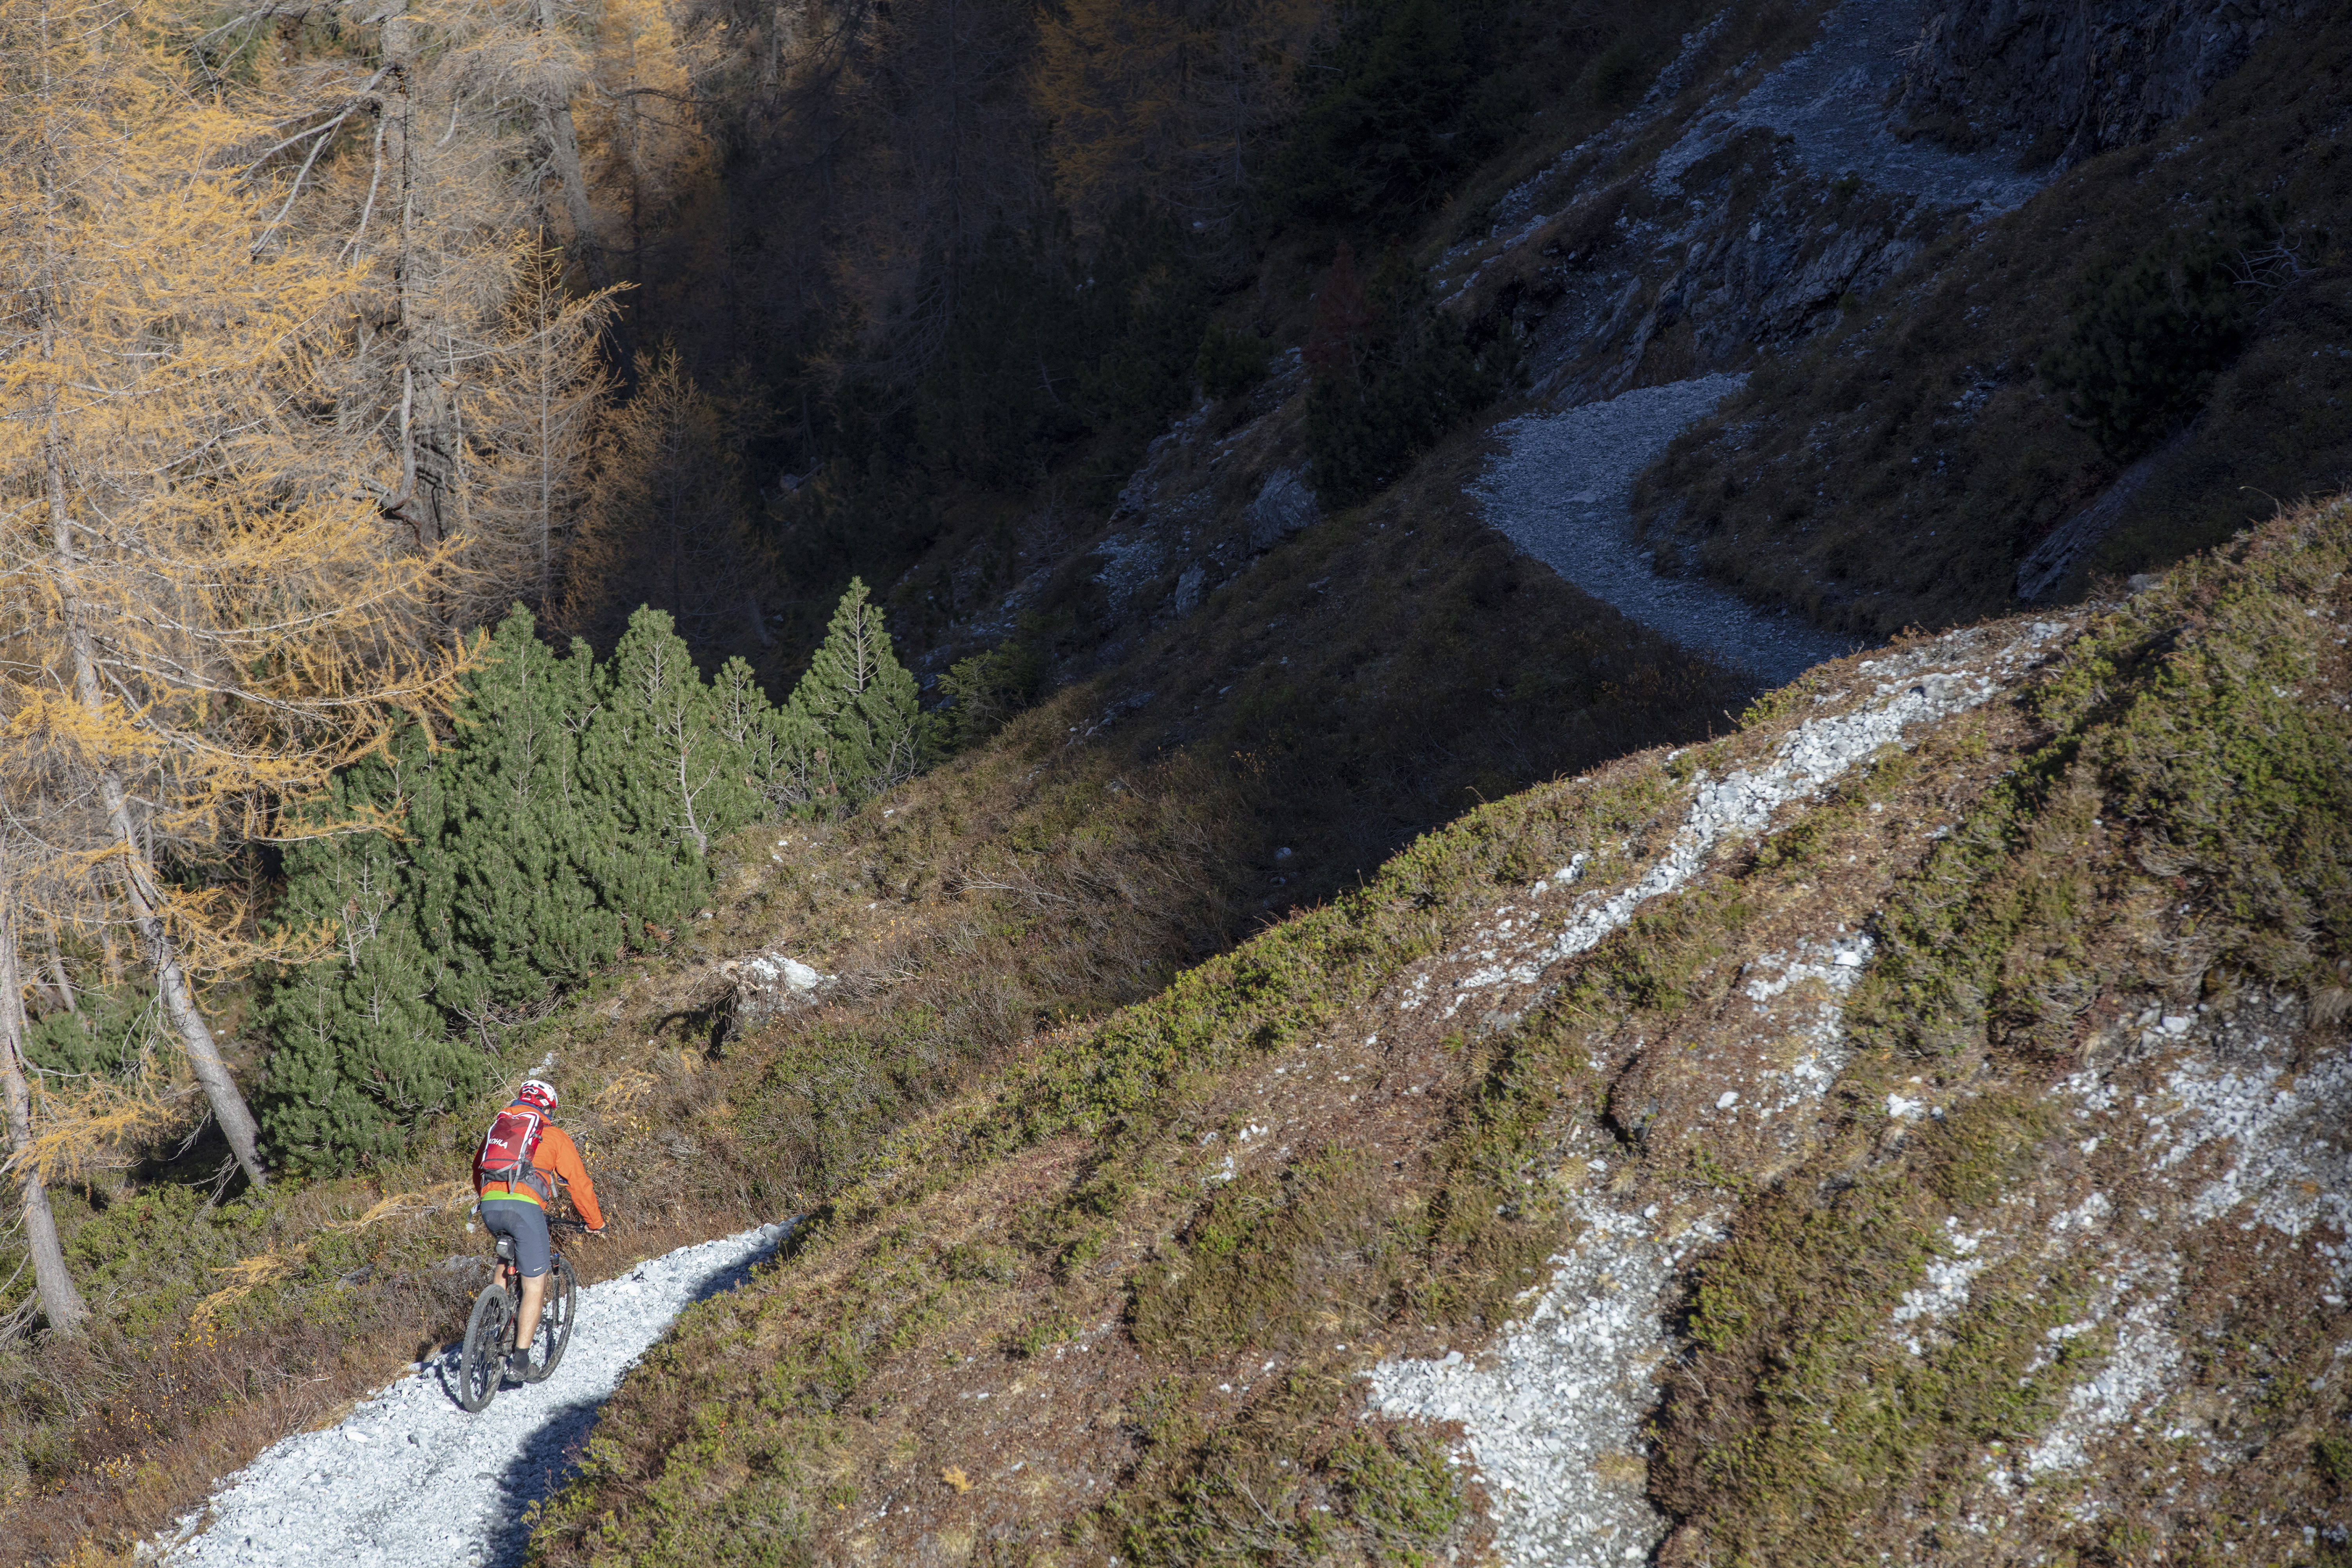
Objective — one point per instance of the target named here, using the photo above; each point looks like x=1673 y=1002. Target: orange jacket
x=559 y=1158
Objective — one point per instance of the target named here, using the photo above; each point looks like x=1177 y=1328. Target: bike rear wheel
x=555 y=1316
x=488 y=1339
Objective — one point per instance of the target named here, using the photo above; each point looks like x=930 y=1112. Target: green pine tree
x=107 y=1031
x=572 y=813
x=362 y=1054
x=508 y=833
x=779 y=747
x=656 y=757
x=855 y=712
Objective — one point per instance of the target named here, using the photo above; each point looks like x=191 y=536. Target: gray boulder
x=1283 y=506
x=767 y=984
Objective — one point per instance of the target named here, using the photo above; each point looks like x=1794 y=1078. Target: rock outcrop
x=768 y=983
x=2062 y=82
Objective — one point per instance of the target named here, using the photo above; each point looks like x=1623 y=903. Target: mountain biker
x=525 y=1160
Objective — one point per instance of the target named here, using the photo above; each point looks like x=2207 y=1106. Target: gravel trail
x=1563 y=492
x=408 y=1478
x=1554 y=1411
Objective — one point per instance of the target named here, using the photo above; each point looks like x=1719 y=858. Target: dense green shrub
x=505 y=837
x=2150 y=335
x=1402 y=101
x=360 y=1051
x=1231 y=363
x=106 y=1032
x=1391 y=376
x=1618 y=72
x=988 y=688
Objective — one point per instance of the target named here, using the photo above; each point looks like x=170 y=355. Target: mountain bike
x=490 y=1331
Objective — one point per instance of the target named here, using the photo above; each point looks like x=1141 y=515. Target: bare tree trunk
x=563 y=152
x=57 y=974
x=60 y=1302
x=220 y=1088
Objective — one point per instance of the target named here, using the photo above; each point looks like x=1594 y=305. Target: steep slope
x=1935 y=1089
x=1800 y=255
x=1258 y=701
x=1371 y=677
x=1913 y=463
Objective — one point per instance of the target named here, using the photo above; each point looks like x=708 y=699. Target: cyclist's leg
x=526 y=1222
x=534 y=1296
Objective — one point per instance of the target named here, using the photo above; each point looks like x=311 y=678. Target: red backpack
x=507 y=1151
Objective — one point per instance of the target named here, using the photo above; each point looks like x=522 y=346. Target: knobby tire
x=484 y=1361
x=556 y=1315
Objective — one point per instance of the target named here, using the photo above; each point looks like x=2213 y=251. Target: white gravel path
x=1554 y=1410
x=408 y=1478
x=1563 y=493
x=2285 y=1164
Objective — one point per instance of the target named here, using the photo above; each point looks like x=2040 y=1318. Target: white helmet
x=537 y=1091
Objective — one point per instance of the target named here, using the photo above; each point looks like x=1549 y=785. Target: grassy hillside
x=1121 y=1301
x=1369 y=678
x=1159 y=1096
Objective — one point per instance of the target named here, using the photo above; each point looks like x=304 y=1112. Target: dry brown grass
x=1187 y=1343
x=1179 y=1339
x=991 y=1322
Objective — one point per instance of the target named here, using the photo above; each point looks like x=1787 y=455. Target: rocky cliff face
x=2055 y=83
x=1738 y=216
x=1753 y=211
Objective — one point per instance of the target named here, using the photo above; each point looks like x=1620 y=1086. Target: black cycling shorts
x=526 y=1222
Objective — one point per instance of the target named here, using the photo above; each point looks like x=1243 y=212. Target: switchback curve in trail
x=408 y=1478
x=1562 y=490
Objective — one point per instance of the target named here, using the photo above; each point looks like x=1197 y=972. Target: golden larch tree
x=200 y=618
x=60 y=1302
x=647 y=165
x=664 y=525
x=533 y=418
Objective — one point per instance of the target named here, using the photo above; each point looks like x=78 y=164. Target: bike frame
x=507 y=1266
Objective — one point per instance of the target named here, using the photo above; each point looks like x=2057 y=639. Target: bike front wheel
x=486 y=1340
x=555 y=1316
